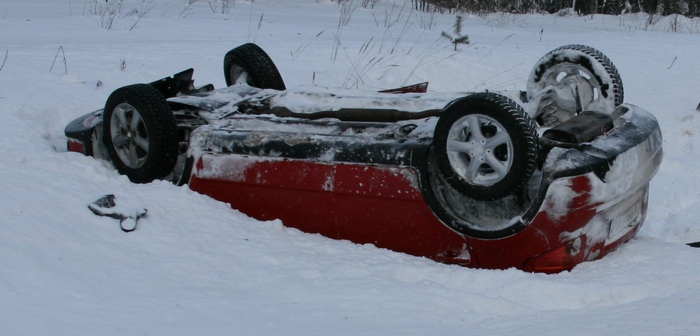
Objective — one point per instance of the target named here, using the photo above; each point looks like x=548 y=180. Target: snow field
x=195 y=266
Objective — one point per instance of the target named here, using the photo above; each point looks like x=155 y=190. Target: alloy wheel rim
x=479 y=149
x=129 y=135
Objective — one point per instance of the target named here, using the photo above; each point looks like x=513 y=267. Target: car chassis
x=539 y=180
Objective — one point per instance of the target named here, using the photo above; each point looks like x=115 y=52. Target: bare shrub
x=392 y=14
x=65 y=62
x=427 y=20
x=188 y=7
x=369 y=3
x=347 y=9
x=222 y=6
x=146 y=7
x=109 y=12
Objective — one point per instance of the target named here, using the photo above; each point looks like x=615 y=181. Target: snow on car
x=539 y=180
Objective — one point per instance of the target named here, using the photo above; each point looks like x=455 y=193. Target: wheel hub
x=478 y=150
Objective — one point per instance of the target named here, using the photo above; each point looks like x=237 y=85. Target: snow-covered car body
x=377 y=167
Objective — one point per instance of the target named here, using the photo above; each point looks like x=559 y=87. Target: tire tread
x=257 y=63
x=161 y=126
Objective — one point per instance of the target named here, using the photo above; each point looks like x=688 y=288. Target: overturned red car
x=539 y=180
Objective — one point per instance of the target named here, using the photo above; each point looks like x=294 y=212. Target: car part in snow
x=179 y=83
x=573 y=78
x=414 y=88
x=485 y=146
x=584 y=127
x=249 y=64
x=106 y=206
x=140 y=133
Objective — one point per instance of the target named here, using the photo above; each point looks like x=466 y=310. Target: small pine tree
x=458 y=38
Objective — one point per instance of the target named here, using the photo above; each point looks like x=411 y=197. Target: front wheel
x=485 y=146
x=249 y=64
x=140 y=133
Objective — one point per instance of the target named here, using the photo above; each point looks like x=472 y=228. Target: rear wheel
x=140 y=133
x=485 y=146
x=593 y=78
x=249 y=64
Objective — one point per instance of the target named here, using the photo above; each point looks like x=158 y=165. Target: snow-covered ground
x=197 y=267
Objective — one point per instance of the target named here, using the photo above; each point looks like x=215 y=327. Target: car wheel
x=140 y=133
x=485 y=146
x=598 y=83
x=249 y=64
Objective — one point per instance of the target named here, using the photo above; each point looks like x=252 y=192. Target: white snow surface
x=195 y=266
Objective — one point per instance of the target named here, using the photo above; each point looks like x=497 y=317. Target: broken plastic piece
x=105 y=205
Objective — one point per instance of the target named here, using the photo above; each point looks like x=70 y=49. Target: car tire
x=485 y=146
x=575 y=59
x=140 y=133
x=249 y=64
